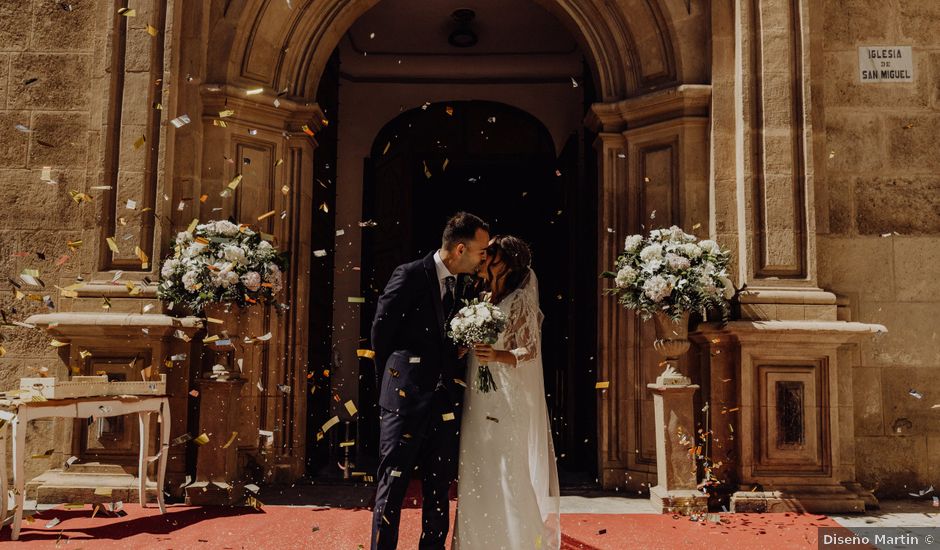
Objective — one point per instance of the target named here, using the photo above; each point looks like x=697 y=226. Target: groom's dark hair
x=461 y=228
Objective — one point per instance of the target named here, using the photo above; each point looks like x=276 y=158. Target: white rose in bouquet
x=189 y=280
x=169 y=267
x=657 y=288
x=234 y=254
x=710 y=247
x=252 y=280
x=676 y=262
x=652 y=252
x=625 y=277
x=632 y=242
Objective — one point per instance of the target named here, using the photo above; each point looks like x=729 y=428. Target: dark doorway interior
x=500 y=163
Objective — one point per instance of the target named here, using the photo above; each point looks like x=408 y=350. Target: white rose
x=674 y=261
x=189 y=280
x=224 y=228
x=652 y=252
x=273 y=275
x=225 y=279
x=194 y=249
x=657 y=288
x=709 y=246
x=632 y=242
x=690 y=250
x=252 y=280
x=169 y=267
x=651 y=266
x=728 y=287
x=625 y=277
x=184 y=237
x=234 y=254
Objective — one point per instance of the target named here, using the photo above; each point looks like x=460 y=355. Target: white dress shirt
x=442 y=272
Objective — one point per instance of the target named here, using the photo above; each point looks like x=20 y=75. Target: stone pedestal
x=217 y=481
x=675 y=491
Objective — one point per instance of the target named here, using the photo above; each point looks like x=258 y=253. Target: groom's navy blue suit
x=419 y=401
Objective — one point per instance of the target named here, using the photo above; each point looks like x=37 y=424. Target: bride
x=508 y=483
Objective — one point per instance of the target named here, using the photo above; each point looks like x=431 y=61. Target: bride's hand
x=484 y=352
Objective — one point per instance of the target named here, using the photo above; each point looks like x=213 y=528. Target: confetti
x=340 y=232
x=180 y=121
x=347 y=444
x=127 y=12
x=427 y=172
x=447 y=416
x=103 y=491
x=140 y=142
x=57 y=344
x=226 y=113
x=194 y=393
x=182 y=439
x=235 y=181
x=915 y=393
x=230 y=440
x=351 y=408
x=602 y=385
x=492 y=419
x=574 y=83
x=329 y=424
x=366 y=353
x=355 y=300
x=306 y=129
x=324 y=207
x=266 y=215
x=202 y=439
x=53 y=522
x=151 y=30
x=254 y=91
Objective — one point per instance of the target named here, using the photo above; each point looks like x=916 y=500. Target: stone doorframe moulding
x=653 y=156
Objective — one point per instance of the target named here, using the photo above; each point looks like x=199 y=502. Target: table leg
x=144 y=418
x=164 y=451
x=4 y=488
x=19 y=481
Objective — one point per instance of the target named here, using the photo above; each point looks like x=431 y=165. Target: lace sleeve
x=524 y=334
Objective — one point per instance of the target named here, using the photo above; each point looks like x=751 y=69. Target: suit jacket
x=412 y=350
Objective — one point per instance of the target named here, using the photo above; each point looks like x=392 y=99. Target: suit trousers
x=427 y=440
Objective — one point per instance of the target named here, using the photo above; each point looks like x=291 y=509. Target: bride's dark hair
x=517 y=256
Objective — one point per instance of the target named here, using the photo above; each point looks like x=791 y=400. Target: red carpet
x=279 y=527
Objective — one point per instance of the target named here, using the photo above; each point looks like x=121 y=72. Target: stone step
x=64 y=486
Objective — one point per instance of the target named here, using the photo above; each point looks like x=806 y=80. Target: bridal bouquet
x=478 y=323
x=221 y=262
x=671 y=272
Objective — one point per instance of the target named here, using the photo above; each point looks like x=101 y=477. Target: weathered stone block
x=62 y=83
x=905 y=413
x=912 y=142
x=867 y=397
x=854 y=143
x=4 y=74
x=13 y=143
x=57 y=29
x=912 y=338
x=892 y=465
x=859 y=265
x=841 y=207
x=909 y=206
x=137 y=53
x=920 y=283
x=29 y=203
x=849 y=22
x=65 y=134
x=918 y=23
x=14 y=26
x=843 y=88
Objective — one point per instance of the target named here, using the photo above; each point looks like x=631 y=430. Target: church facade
x=799 y=135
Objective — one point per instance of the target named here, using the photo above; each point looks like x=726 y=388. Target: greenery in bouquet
x=672 y=272
x=221 y=262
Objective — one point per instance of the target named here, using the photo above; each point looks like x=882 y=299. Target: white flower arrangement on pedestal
x=221 y=262
x=671 y=272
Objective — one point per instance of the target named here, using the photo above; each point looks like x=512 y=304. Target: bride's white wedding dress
x=508 y=483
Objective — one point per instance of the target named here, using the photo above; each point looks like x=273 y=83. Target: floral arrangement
x=478 y=323
x=671 y=272
x=220 y=262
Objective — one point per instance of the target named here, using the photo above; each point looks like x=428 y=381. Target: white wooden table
x=18 y=414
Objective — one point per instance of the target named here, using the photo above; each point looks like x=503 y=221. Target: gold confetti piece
x=832 y=154
x=103 y=491
x=696 y=226
x=329 y=424
x=230 y=440
x=142 y=256
x=279 y=162
x=57 y=344
x=3 y=351
x=235 y=181
x=319 y=436
x=347 y=444
x=127 y=12
x=449 y=110
x=84 y=354
x=254 y=91
x=324 y=207
x=78 y=197
x=210 y=339
x=307 y=130
x=46 y=454
x=395 y=473
x=266 y=215
x=73 y=245
x=140 y=142
x=226 y=113
x=366 y=353
x=355 y=300
x=73 y=506
x=444 y=166
x=427 y=172
x=602 y=385
x=447 y=416
x=151 y=30
x=351 y=408
x=219 y=123
x=387 y=147
x=460 y=382
x=285 y=189
x=192 y=225
x=202 y=439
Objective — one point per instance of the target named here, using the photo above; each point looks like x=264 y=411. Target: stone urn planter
x=672 y=342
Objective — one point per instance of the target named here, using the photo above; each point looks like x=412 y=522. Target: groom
x=419 y=398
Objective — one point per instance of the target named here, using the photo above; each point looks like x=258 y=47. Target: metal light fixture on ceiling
x=463 y=36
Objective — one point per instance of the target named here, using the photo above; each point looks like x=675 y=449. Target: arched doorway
x=499 y=162
x=649 y=112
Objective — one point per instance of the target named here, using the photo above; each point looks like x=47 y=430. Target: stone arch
x=285 y=47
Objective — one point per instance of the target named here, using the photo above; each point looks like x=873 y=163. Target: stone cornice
x=687 y=100
x=78 y=325
x=808 y=333
x=258 y=109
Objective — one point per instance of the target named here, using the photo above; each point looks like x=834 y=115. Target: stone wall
x=52 y=88
x=879 y=233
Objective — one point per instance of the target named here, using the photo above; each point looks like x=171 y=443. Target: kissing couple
x=434 y=423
